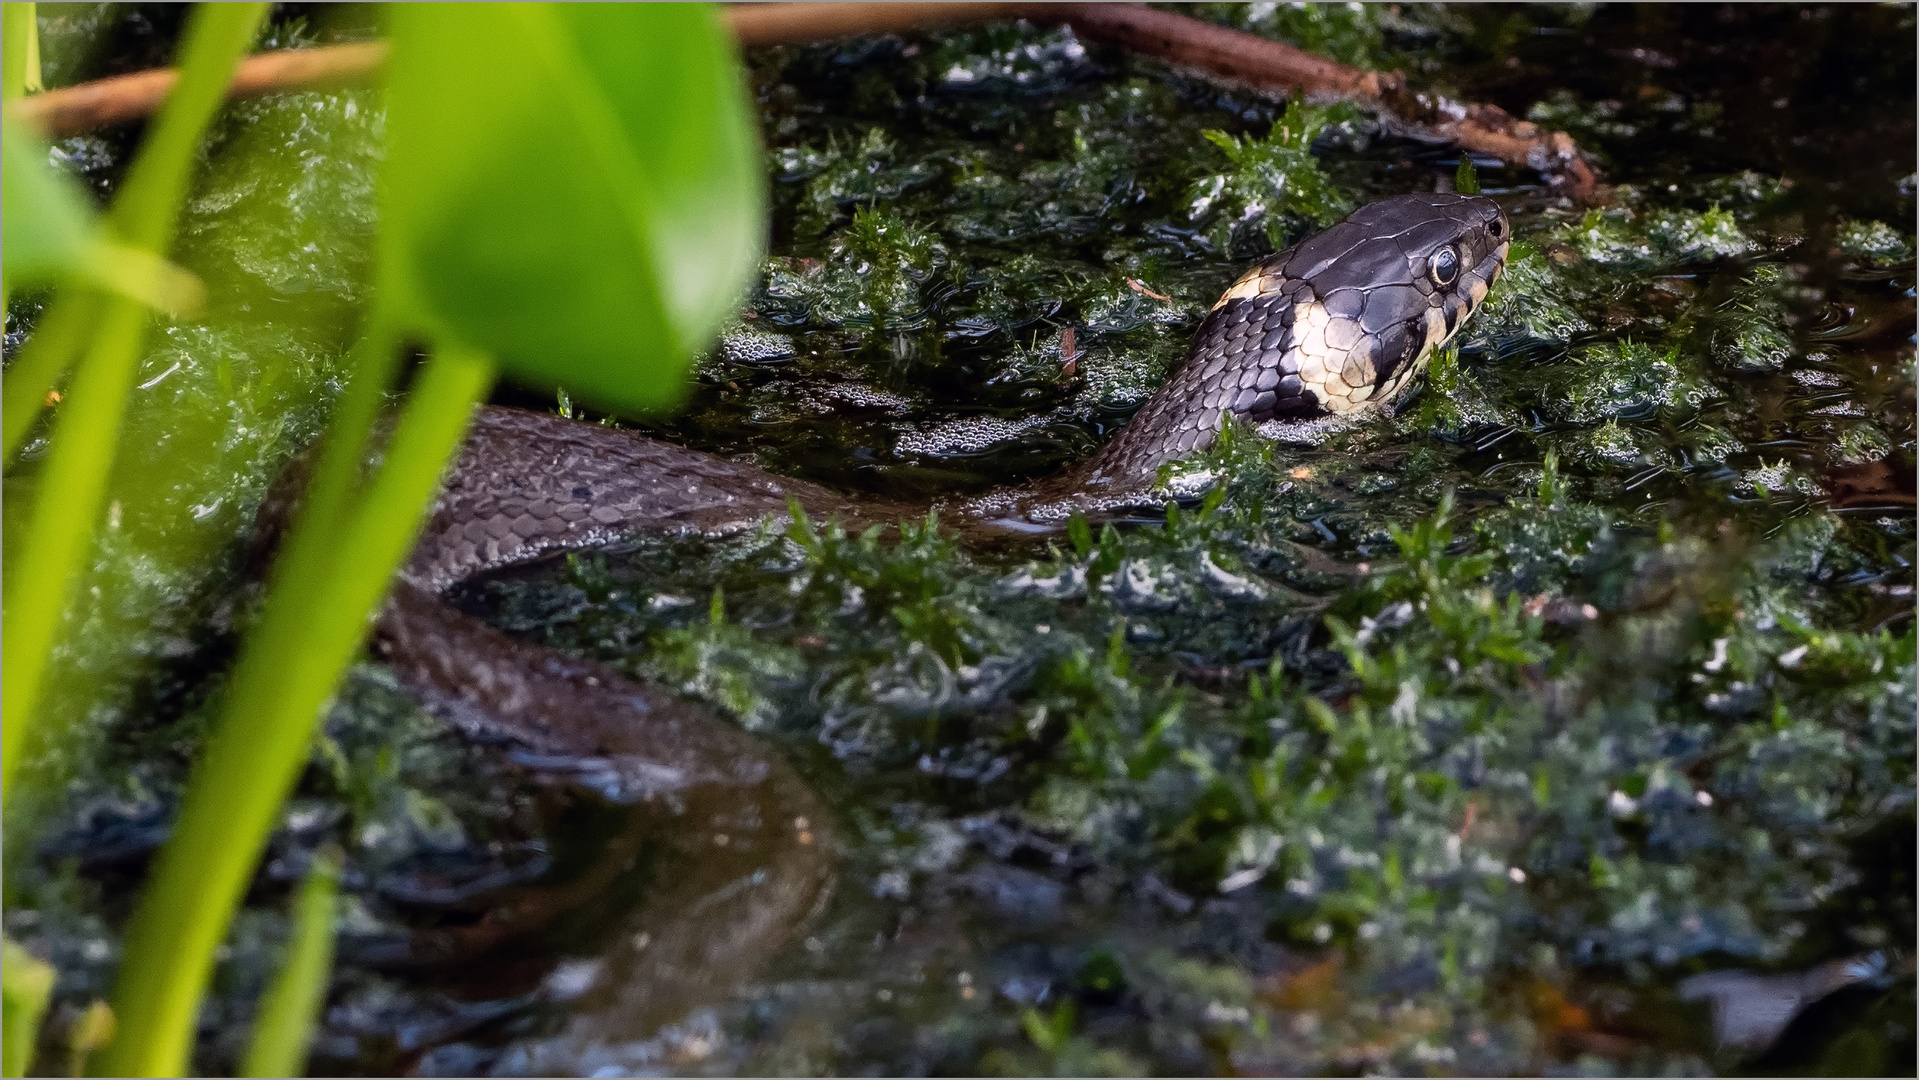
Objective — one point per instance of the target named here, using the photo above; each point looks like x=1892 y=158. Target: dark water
x=1298 y=782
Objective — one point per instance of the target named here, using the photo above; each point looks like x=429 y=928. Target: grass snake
x=1336 y=325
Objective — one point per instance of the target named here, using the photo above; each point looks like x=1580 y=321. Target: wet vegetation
x=1454 y=741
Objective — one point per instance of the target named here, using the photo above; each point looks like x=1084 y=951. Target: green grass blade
x=60 y=531
x=59 y=338
x=304 y=566
x=287 y=672
x=288 y=1012
x=26 y=982
x=18 y=42
x=19 y=52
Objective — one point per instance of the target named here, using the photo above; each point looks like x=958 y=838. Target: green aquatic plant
x=839 y=182
x=1639 y=238
x=874 y=282
x=1465 y=176
x=98 y=333
x=1874 y=243
x=1681 y=236
x=1751 y=333
x=1524 y=744
x=1592 y=123
x=1274 y=188
x=1623 y=379
x=1538 y=299
x=664 y=200
x=464 y=147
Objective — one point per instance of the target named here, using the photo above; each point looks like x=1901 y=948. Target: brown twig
x=1271 y=66
x=1215 y=51
x=74 y=110
x=1489 y=129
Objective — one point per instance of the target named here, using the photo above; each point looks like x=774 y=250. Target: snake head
x=1337 y=324
x=1416 y=269
x=1347 y=317
x=1457 y=254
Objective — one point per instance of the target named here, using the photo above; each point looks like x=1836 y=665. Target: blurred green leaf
x=291 y=1008
x=1051 y=1034
x=25 y=984
x=50 y=235
x=92 y=1030
x=48 y=227
x=20 y=45
x=572 y=189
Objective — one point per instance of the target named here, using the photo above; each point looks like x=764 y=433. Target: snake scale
x=1336 y=325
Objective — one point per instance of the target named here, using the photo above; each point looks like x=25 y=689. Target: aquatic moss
x=840 y=181
x=1605 y=237
x=1641 y=238
x=1274 y=188
x=1687 y=237
x=1624 y=379
x=1751 y=333
x=1592 y=123
x=1533 y=302
x=1567 y=734
x=1874 y=243
x=872 y=282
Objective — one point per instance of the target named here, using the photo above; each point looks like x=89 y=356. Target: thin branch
x=1215 y=52
x=1270 y=66
x=74 y=110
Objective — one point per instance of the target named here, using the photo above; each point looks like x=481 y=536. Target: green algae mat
x=1560 y=722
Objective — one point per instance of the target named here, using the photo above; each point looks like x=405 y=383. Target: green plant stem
x=18 y=46
x=19 y=69
x=286 y=674
x=60 y=535
x=284 y=1028
x=18 y=34
x=304 y=568
x=60 y=531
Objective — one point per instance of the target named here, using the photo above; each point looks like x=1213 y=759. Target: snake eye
x=1446 y=266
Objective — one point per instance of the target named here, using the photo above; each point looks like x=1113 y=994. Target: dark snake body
x=1335 y=325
